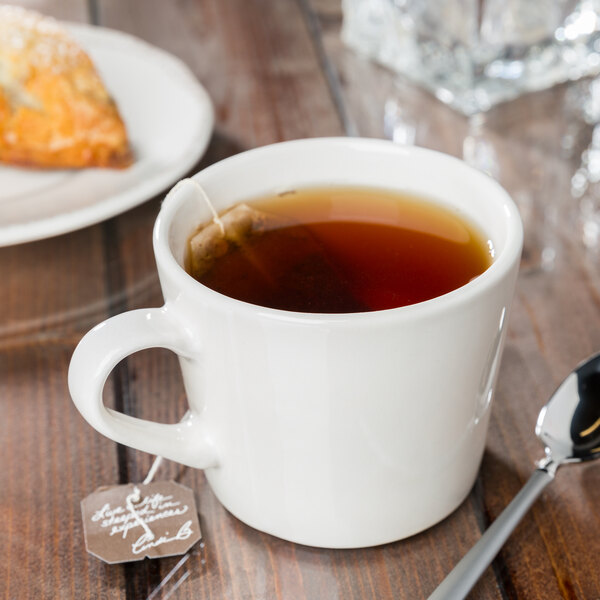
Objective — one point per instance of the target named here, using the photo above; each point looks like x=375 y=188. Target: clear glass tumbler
x=473 y=54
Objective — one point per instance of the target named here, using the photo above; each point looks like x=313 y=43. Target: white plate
x=169 y=118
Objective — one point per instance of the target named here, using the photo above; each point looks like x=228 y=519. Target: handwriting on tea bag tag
x=129 y=522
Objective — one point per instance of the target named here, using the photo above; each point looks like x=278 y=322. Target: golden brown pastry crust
x=54 y=108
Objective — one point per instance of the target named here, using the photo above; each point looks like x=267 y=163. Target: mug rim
x=499 y=268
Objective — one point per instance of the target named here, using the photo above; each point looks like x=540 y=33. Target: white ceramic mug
x=333 y=430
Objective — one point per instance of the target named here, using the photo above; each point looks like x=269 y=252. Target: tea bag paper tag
x=126 y=523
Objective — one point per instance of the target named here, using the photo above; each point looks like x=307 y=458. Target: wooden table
x=278 y=70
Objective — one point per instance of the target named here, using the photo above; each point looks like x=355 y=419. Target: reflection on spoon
x=569 y=428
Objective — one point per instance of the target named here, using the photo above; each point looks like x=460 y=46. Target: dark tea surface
x=340 y=250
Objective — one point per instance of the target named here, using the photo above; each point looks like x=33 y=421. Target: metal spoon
x=569 y=428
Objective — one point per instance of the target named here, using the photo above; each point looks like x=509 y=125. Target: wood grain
x=276 y=71
x=43 y=442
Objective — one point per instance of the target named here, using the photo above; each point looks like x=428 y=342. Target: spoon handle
x=463 y=577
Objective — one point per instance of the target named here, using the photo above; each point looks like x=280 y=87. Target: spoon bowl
x=569 y=425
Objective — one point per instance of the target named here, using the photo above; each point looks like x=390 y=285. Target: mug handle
x=96 y=356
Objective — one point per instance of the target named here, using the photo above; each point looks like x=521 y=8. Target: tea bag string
x=136 y=496
x=216 y=219
x=132 y=498
x=152 y=472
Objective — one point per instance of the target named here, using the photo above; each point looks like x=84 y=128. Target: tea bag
x=289 y=269
x=230 y=230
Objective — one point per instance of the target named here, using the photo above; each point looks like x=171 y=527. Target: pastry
x=54 y=109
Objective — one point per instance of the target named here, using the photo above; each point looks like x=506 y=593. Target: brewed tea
x=340 y=250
